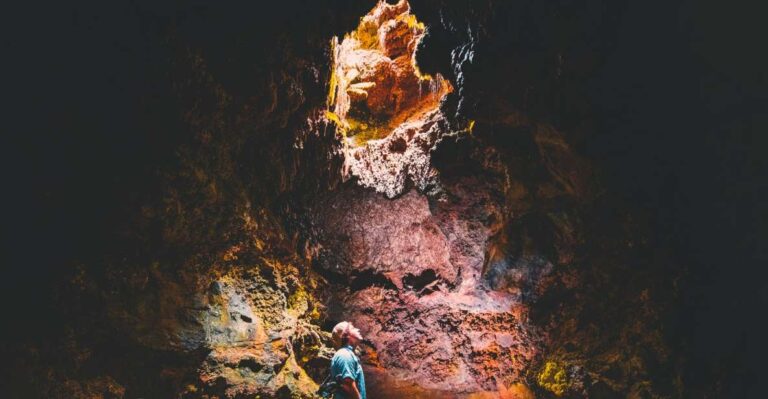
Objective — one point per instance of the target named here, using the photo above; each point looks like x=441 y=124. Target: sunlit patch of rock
x=387 y=111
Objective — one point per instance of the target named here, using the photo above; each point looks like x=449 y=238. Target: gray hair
x=342 y=331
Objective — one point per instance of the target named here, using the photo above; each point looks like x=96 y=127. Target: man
x=345 y=364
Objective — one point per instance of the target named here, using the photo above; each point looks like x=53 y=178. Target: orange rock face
x=385 y=108
x=377 y=84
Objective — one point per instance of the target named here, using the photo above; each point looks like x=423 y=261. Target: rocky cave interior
x=455 y=178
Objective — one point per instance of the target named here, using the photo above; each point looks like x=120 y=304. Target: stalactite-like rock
x=485 y=264
x=386 y=110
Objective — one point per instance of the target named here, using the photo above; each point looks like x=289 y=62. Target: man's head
x=345 y=333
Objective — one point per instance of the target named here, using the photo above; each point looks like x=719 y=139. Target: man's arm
x=350 y=387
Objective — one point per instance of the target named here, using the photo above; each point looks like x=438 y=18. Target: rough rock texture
x=388 y=165
x=386 y=109
x=203 y=294
x=416 y=287
x=436 y=284
x=512 y=275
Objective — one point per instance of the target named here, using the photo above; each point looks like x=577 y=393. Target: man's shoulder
x=343 y=354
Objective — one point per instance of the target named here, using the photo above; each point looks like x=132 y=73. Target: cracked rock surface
x=483 y=264
x=418 y=292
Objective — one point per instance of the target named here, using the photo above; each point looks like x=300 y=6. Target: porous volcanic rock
x=481 y=263
x=386 y=109
x=418 y=293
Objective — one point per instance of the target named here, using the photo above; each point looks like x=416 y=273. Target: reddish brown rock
x=418 y=294
x=506 y=275
x=379 y=97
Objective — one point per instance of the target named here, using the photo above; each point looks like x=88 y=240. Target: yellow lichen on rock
x=375 y=84
x=296 y=379
x=333 y=81
x=554 y=378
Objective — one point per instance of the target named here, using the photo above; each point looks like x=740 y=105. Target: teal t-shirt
x=346 y=364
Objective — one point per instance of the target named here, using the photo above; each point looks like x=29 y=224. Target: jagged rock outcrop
x=387 y=110
x=416 y=288
x=482 y=264
x=444 y=285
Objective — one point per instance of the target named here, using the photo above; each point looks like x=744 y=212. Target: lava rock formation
x=431 y=171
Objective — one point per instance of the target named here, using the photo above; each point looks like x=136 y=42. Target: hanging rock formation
x=387 y=110
x=454 y=216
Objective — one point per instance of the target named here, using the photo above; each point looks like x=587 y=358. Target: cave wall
x=521 y=270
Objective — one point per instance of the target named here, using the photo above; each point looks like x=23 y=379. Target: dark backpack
x=329 y=386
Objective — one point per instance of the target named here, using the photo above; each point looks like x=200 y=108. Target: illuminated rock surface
x=387 y=110
x=491 y=263
x=417 y=291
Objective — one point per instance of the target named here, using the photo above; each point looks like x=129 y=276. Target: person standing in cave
x=345 y=365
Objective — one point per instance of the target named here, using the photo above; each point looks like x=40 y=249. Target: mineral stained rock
x=511 y=276
x=418 y=292
x=387 y=110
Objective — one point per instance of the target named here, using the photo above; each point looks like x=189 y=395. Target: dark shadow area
x=669 y=101
x=369 y=278
x=421 y=281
